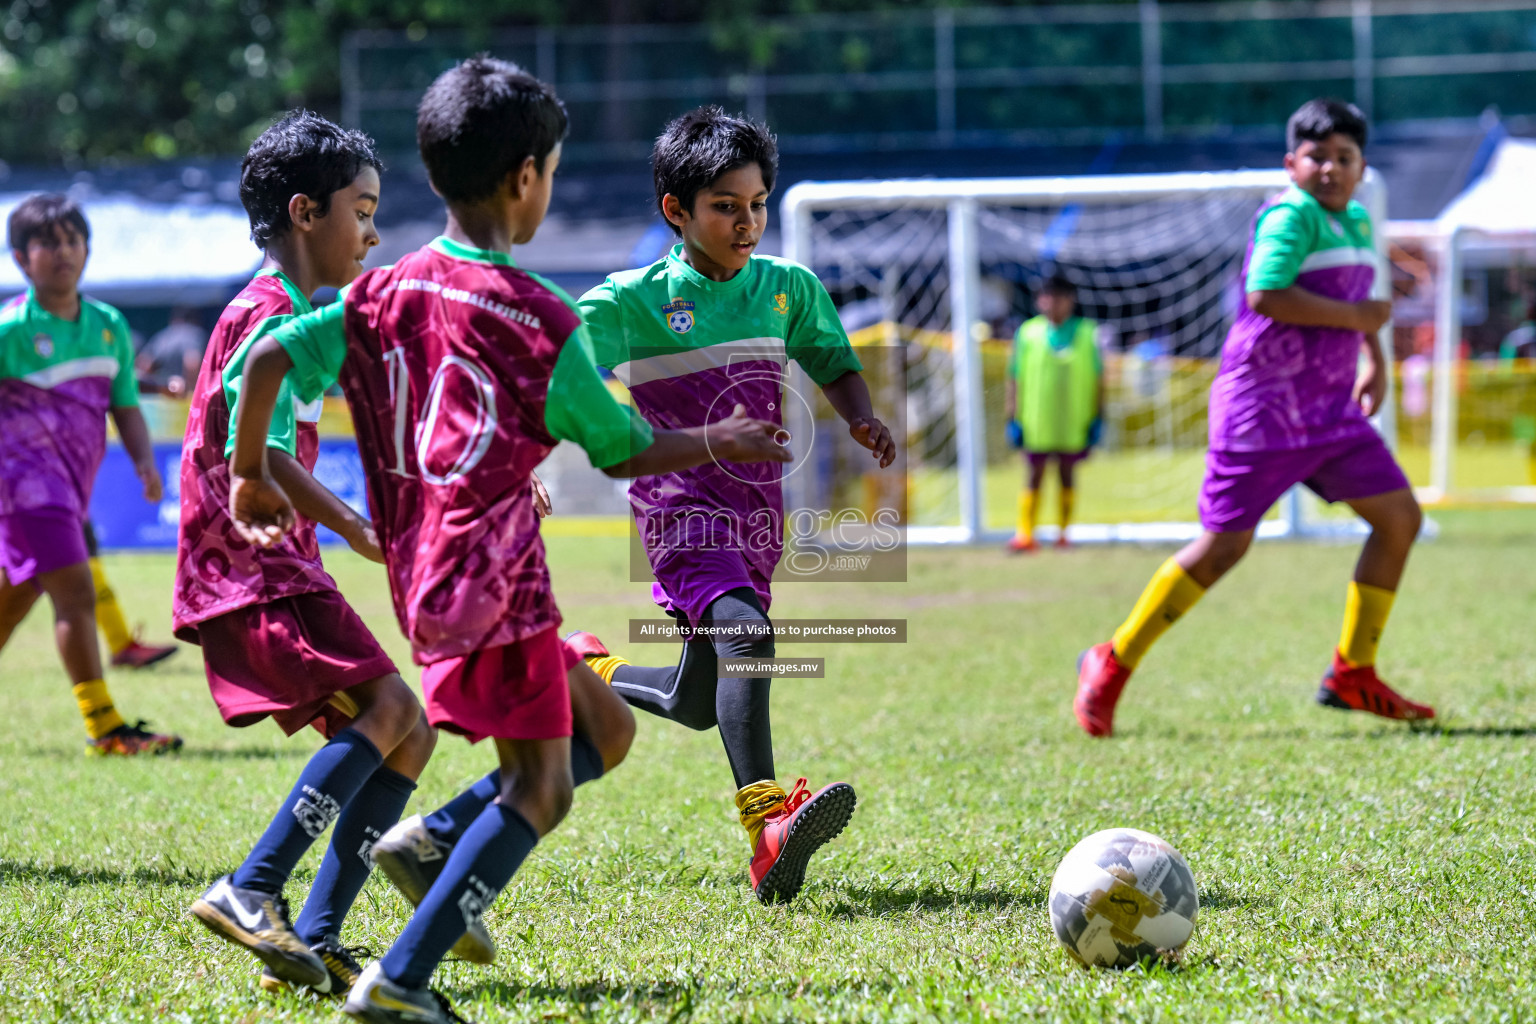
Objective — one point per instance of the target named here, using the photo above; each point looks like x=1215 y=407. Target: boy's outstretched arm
x=1296 y=305
x=849 y=396
x=135 y=435
x=259 y=507
x=737 y=438
x=312 y=500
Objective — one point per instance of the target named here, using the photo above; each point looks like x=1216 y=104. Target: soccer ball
x=1123 y=896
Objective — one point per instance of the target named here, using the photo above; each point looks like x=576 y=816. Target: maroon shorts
x=1240 y=487
x=514 y=692
x=289 y=658
x=1039 y=460
x=38 y=540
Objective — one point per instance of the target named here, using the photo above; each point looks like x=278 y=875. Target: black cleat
x=259 y=922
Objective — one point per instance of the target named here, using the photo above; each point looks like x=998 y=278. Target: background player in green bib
x=709 y=326
x=1054 y=400
x=66 y=363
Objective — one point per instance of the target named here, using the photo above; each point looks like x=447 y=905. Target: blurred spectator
x=169 y=361
x=1520 y=343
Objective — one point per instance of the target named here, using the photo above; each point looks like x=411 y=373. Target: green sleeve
x=816 y=339
x=1282 y=239
x=283 y=432
x=599 y=310
x=317 y=344
x=125 y=386
x=579 y=407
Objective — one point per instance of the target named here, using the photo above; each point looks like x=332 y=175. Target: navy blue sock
x=345 y=868
x=328 y=783
x=449 y=821
x=482 y=863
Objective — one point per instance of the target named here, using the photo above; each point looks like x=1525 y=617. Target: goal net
x=1156 y=262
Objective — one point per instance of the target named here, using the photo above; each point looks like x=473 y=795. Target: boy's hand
x=1372 y=314
x=541 y=503
x=739 y=438
x=1014 y=432
x=260 y=510
x=1370 y=386
x=872 y=434
x=149 y=476
x=362 y=539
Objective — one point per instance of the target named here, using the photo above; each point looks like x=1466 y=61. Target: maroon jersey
x=216 y=571
x=462 y=372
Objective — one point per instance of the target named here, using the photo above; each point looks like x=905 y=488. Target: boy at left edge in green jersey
x=66 y=362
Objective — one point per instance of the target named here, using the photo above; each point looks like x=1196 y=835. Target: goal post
x=944 y=269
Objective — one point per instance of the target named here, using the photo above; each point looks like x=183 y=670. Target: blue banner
x=125 y=521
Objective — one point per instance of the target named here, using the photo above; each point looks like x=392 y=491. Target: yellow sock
x=1028 y=501
x=1169 y=594
x=1066 y=509
x=109 y=617
x=606 y=665
x=1365 y=616
x=96 y=708
x=755 y=802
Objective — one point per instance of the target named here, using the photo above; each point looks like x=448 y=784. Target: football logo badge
x=42 y=344
x=679 y=314
x=781 y=303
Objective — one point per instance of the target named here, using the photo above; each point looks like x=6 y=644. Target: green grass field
x=1350 y=870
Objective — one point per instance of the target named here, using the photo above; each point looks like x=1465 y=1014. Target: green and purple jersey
x=690 y=349
x=1282 y=386
x=58 y=379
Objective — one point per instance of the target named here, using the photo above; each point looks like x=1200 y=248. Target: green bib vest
x=1058 y=387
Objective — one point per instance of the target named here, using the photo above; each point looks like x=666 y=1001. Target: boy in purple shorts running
x=462 y=372
x=66 y=363
x=277 y=638
x=1289 y=407
x=713 y=322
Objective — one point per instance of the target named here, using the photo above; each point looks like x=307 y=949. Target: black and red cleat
x=1359 y=689
x=801 y=826
x=137 y=655
x=1100 y=678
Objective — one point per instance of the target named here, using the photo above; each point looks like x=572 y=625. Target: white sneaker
x=411 y=858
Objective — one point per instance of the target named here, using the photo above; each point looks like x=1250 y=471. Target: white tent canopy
x=1503 y=200
x=152 y=254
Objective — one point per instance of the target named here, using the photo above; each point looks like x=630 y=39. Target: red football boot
x=791 y=833
x=1023 y=545
x=1062 y=542
x=586 y=645
x=1100 y=678
x=137 y=655
x=1359 y=689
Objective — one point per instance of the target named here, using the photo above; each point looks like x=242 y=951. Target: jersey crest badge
x=42 y=344
x=781 y=303
x=679 y=314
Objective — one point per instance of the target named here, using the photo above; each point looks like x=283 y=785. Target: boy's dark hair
x=479 y=121
x=694 y=150
x=41 y=215
x=1317 y=119
x=1059 y=284
x=302 y=154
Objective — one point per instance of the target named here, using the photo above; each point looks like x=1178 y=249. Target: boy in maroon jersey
x=277 y=638
x=463 y=371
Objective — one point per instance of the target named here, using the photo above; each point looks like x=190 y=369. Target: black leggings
x=691 y=694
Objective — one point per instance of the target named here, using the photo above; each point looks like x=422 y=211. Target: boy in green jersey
x=66 y=363
x=1053 y=400
x=709 y=326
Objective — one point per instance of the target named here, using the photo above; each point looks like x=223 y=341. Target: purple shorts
x=1039 y=460
x=288 y=658
x=1240 y=487
x=38 y=540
